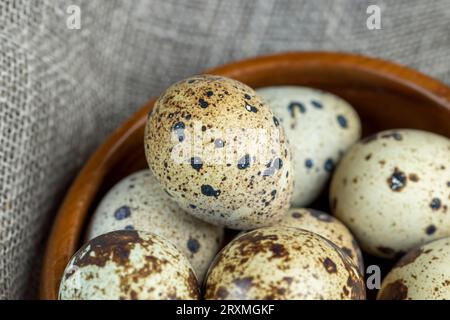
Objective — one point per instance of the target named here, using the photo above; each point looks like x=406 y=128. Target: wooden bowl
x=385 y=95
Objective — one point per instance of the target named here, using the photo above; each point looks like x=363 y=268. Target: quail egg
x=392 y=190
x=219 y=151
x=128 y=264
x=320 y=128
x=422 y=274
x=282 y=263
x=328 y=227
x=138 y=202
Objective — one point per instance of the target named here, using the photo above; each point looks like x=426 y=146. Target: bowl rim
x=68 y=223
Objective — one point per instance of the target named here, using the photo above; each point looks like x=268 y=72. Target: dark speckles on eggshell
x=204 y=104
x=396 y=290
x=250 y=108
x=431 y=229
x=168 y=193
x=247 y=96
x=309 y=163
x=343 y=123
x=276 y=122
x=192 y=206
x=329 y=165
x=122 y=213
x=193 y=245
x=296 y=105
x=178 y=128
x=278 y=251
x=296 y=215
x=209 y=191
x=329 y=265
x=395 y=135
x=397 y=181
x=409 y=258
x=435 y=204
x=244 y=283
x=196 y=163
x=316 y=104
x=209 y=93
x=115 y=246
x=222 y=293
x=244 y=162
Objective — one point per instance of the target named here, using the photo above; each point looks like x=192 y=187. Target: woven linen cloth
x=63 y=90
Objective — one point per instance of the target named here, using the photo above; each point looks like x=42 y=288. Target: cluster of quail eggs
x=224 y=157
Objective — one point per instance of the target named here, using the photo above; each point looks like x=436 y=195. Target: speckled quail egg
x=138 y=202
x=128 y=264
x=422 y=274
x=220 y=153
x=328 y=227
x=392 y=190
x=282 y=263
x=320 y=127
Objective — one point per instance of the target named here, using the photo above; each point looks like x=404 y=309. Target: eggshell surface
x=138 y=202
x=392 y=190
x=282 y=263
x=422 y=274
x=328 y=227
x=127 y=265
x=218 y=150
x=320 y=128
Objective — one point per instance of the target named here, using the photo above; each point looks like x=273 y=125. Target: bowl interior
x=385 y=96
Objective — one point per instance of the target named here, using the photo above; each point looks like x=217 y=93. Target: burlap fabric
x=63 y=91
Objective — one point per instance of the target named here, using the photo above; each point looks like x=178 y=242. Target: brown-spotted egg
x=392 y=190
x=218 y=150
x=328 y=227
x=422 y=274
x=138 y=202
x=128 y=265
x=320 y=128
x=282 y=263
